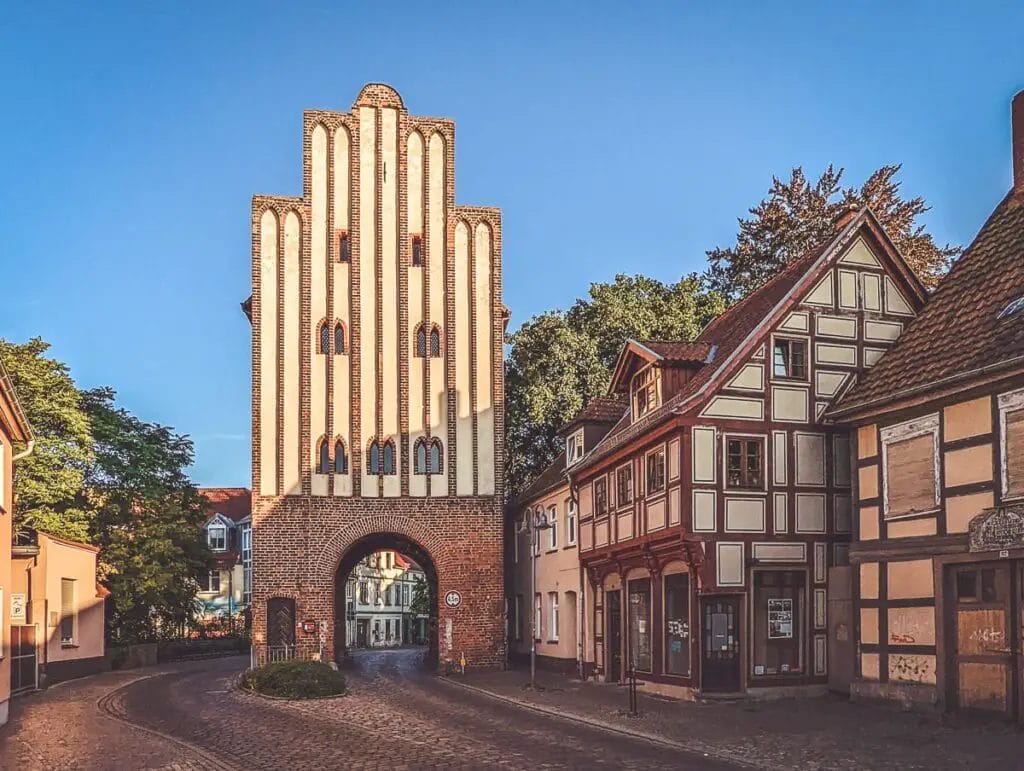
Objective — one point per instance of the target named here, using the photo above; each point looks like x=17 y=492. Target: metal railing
x=261 y=654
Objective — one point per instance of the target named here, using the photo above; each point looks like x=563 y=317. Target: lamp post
x=533 y=525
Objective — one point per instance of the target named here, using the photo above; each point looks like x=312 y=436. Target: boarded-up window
x=1015 y=452
x=910 y=475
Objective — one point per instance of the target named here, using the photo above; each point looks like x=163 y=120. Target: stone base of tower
x=305 y=547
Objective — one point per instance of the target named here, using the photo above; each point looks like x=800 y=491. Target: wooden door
x=720 y=644
x=280 y=622
x=984 y=659
x=613 y=614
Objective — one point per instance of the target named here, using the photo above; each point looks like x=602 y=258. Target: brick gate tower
x=378 y=394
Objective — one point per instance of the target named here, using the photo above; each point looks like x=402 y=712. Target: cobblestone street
x=395 y=716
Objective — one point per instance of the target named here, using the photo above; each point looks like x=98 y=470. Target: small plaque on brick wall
x=999 y=528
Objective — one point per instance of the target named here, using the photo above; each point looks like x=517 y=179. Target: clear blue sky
x=614 y=139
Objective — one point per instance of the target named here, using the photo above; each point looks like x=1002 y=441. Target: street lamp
x=532 y=525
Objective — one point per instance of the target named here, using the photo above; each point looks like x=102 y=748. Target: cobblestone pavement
x=394 y=716
x=810 y=733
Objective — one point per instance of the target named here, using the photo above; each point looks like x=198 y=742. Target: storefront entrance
x=985 y=657
x=614 y=635
x=720 y=644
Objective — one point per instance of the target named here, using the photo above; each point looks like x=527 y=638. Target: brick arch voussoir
x=338 y=545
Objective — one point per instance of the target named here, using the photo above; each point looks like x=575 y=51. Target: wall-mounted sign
x=780 y=619
x=1001 y=528
x=19 y=608
x=453 y=599
x=308 y=627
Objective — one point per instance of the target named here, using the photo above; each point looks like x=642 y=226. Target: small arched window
x=344 y=247
x=339 y=338
x=340 y=458
x=421 y=341
x=435 y=456
x=389 y=457
x=325 y=338
x=435 y=342
x=323 y=465
x=373 y=467
x=420 y=457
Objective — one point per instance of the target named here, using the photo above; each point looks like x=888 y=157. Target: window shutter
x=1015 y=452
x=910 y=475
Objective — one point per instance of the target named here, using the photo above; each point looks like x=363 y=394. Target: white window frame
x=552 y=616
x=224 y=534
x=535 y=545
x=571 y=522
x=911 y=429
x=537 y=617
x=574 y=447
x=1007 y=403
x=68 y=642
x=209 y=575
x=552 y=527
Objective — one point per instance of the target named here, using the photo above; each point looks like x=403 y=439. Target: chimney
x=1017 y=122
x=848 y=213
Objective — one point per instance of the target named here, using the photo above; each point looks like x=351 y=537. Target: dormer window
x=646 y=391
x=217 y=537
x=574 y=448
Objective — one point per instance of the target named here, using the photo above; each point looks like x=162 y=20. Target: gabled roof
x=20 y=431
x=959 y=333
x=671 y=353
x=549 y=479
x=235 y=503
x=602 y=410
x=735 y=332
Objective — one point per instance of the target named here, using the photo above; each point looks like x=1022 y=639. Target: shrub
x=295 y=680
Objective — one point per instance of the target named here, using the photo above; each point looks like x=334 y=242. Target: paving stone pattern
x=826 y=732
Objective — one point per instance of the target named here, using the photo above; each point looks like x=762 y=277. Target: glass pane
x=780 y=356
x=965 y=585
x=640 y=624
x=677 y=624
x=778 y=635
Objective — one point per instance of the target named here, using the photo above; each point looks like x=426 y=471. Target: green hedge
x=295 y=680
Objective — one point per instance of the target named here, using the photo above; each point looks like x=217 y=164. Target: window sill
x=911 y=515
x=552 y=642
x=68 y=645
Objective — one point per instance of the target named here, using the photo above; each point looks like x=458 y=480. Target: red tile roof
x=601 y=409
x=679 y=352
x=958 y=333
x=235 y=503
x=549 y=479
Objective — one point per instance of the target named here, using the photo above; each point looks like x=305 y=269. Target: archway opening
x=385 y=596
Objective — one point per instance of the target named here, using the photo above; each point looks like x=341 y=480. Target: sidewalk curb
x=106 y=705
x=690 y=749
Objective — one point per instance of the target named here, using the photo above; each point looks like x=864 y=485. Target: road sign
x=453 y=599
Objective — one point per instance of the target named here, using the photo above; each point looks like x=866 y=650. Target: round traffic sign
x=453 y=599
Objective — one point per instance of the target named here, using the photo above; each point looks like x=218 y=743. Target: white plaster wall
x=436 y=261
x=318 y=306
x=389 y=294
x=341 y=272
x=291 y=356
x=417 y=408
x=268 y=353
x=463 y=416
x=367 y=289
x=484 y=366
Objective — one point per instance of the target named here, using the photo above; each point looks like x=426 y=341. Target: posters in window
x=780 y=619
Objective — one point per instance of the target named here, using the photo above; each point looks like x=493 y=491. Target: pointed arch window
x=325 y=338
x=344 y=247
x=373 y=462
x=339 y=338
x=389 y=458
x=323 y=465
x=420 y=456
x=417 y=252
x=435 y=342
x=340 y=458
x=421 y=341
x=436 y=456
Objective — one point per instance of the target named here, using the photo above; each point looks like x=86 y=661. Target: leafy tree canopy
x=559 y=361
x=798 y=215
x=48 y=483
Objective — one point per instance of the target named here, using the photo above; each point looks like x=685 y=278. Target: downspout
x=26 y=452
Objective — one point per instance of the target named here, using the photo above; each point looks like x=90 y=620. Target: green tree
x=559 y=361
x=147 y=521
x=798 y=214
x=420 y=604
x=49 y=483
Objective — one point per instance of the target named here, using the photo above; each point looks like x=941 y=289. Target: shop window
x=600 y=497
x=624 y=485
x=677 y=624
x=640 y=624
x=745 y=463
x=655 y=472
x=789 y=359
x=778 y=639
x=910 y=467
